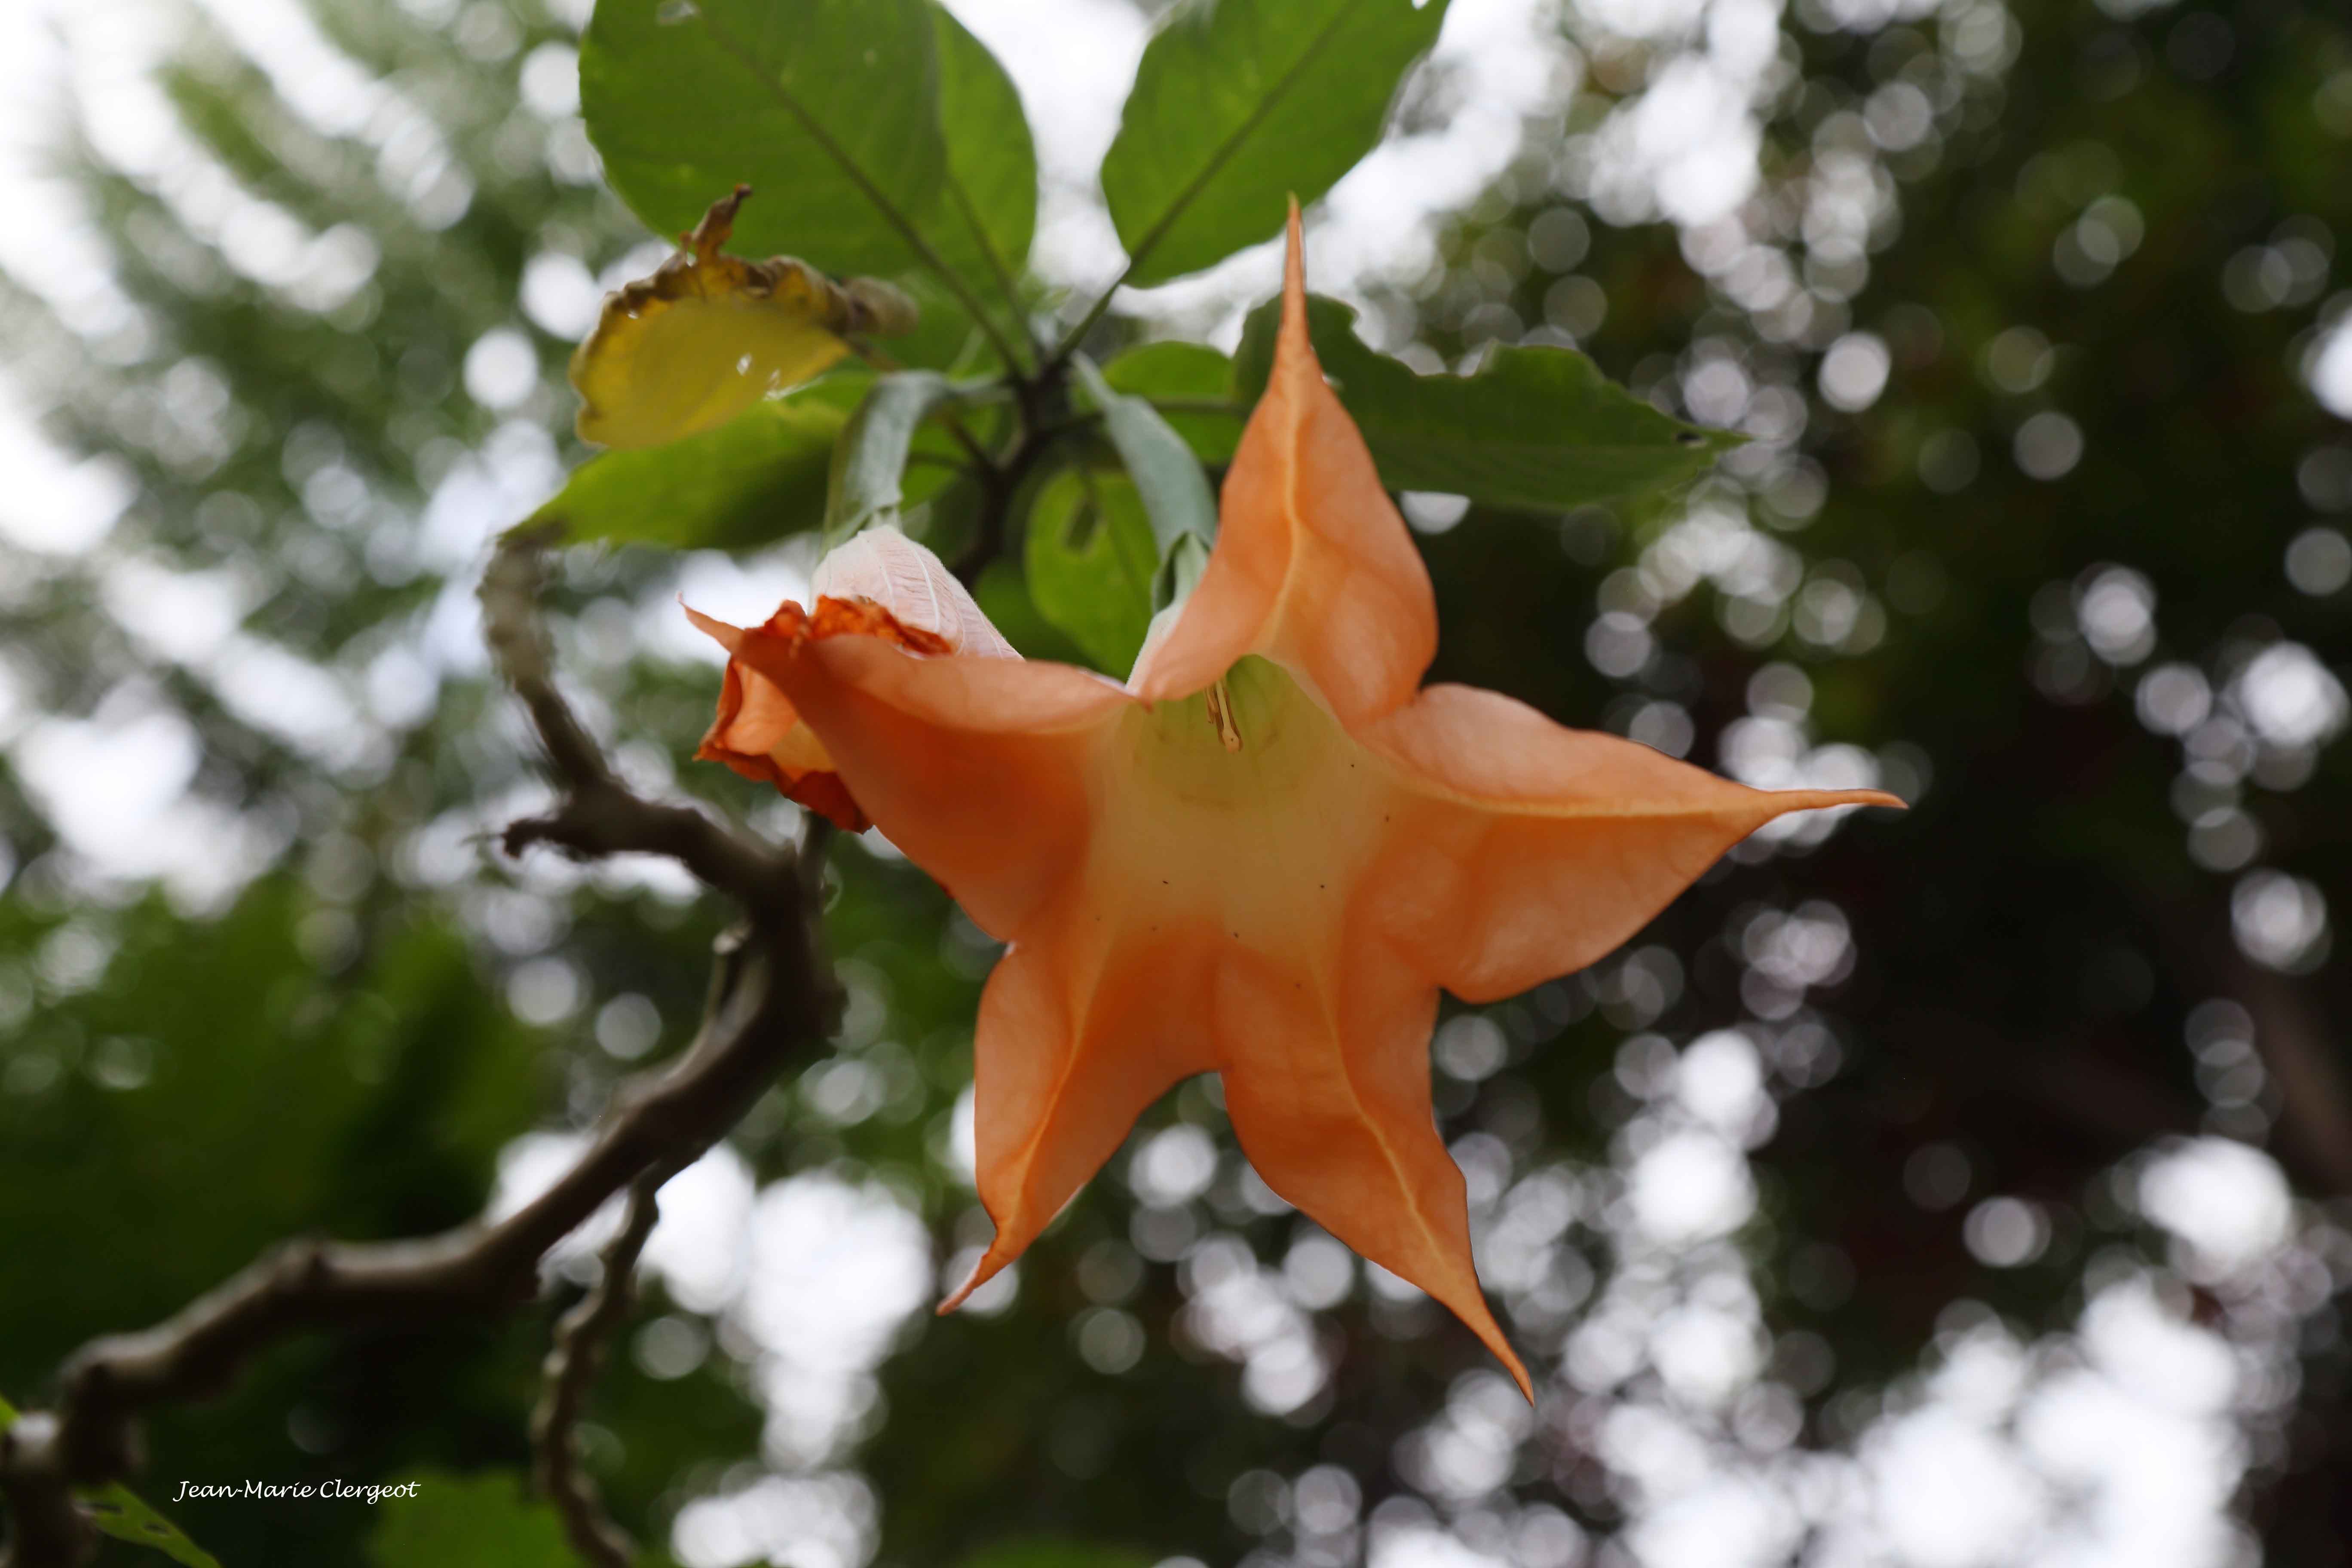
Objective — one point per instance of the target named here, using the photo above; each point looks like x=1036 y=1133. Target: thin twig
x=997 y=267
x=2294 y=1043
x=598 y=816
x=581 y=1339
x=1076 y=335
x=771 y=998
x=964 y=438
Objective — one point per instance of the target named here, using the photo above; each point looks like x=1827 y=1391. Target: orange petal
x=1081 y=1028
x=758 y=732
x=1534 y=850
x=879 y=583
x=1330 y=1095
x=977 y=768
x=1312 y=567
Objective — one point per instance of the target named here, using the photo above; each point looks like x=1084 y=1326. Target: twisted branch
x=771 y=998
x=598 y=816
x=581 y=1339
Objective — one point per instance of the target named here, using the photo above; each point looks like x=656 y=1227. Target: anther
x=1221 y=716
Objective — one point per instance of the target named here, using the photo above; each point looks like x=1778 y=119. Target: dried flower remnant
x=709 y=334
x=878 y=584
x=1261 y=855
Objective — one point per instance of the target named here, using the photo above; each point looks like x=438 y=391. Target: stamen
x=1221 y=716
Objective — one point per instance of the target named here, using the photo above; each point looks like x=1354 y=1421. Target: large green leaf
x=868 y=481
x=1240 y=104
x=1191 y=385
x=1091 y=559
x=468 y=1521
x=1167 y=476
x=1004 y=596
x=992 y=160
x=947 y=338
x=754 y=480
x=1533 y=428
x=828 y=109
x=121 y=1513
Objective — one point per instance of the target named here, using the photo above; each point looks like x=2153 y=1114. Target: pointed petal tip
x=1294 y=283
x=986 y=1269
x=728 y=636
x=1867 y=798
x=1490 y=1334
x=1784 y=800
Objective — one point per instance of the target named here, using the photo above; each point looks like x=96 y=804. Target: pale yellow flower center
x=1245 y=809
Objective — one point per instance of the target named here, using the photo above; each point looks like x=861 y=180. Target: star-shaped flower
x=1263 y=856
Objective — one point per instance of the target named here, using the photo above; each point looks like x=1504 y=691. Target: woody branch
x=572 y=1363
x=771 y=998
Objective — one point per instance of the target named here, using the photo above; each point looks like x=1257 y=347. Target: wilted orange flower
x=1261 y=857
x=880 y=583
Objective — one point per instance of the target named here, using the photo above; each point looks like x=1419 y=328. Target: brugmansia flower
x=709 y=334
x=1261 y=855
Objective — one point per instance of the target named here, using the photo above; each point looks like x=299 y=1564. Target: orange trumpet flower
x=1261 y=855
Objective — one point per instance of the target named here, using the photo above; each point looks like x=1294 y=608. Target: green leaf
x=947 y=339
x=1180 y=570
x=992 y=160
x=754 y=480
x=468 y=1521
x=118 y=1511
x=1167 y=476
x=1240 y=104
x=1539 y=428
x=828 y=109
x=1091 y=559
x=869 y=462
x=1004 y=596
x=1196 y=379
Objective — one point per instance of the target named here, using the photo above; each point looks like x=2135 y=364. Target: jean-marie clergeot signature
x=295 y=1491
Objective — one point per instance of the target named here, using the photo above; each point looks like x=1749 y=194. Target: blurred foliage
x=317 y=444
x=1537 y=428
x=481 y=1520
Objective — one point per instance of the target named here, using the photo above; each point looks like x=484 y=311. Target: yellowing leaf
x=709 y=334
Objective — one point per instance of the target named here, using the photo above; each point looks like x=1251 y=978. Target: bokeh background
x=1970 y=1188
